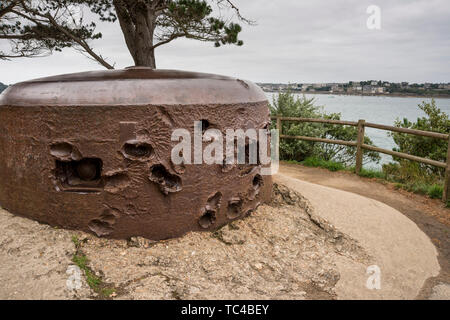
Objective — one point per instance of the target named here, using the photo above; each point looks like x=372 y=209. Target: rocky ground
x=282 y=251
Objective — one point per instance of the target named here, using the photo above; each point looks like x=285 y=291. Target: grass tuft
x=316 y=162
x=372 y=173
x=94 y=282
x=435 y=191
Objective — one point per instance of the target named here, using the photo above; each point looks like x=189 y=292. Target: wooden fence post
x=279 y=127
x=446 y=195
x=359 y=143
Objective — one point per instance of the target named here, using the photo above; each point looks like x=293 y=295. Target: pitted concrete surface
x=404 y=254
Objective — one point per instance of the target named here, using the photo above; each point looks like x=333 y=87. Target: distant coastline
x=368 y=88
x=392 y=95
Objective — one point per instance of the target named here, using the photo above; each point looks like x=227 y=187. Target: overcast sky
x=293 y=41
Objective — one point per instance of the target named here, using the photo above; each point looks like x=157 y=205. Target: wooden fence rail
x=360 y=145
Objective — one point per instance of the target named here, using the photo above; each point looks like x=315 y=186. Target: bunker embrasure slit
x=82 y=176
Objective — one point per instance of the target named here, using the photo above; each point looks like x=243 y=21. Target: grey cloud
x=295 y=41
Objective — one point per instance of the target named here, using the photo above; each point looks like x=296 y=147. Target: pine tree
x=40 y=27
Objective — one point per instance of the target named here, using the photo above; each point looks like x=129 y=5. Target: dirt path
x=430 y=215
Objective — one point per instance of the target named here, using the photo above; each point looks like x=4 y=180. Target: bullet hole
x=104 y=225
x=214 y=201
x=117 y=182
x=209 y=214
x=65 y=151
x=100 y=228
x=109 y=216
x=258 y=182
x=61 y=149
x=168 y=183
x=234 y=208
x=205 y=125
x=208 y=219
x=83 y=175
x=137 y=150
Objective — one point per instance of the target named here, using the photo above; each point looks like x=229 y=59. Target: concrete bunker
x=103 y=140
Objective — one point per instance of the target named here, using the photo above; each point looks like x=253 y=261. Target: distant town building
x=337 y=88
x=370 y=87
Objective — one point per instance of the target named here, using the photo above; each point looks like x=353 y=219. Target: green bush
x=316 y=162
x=372 y=173
x=414 y=176
x=287 y=104
x=418 y=187
x=436 y=149
x=408 y=175
x=435 y=191
x=406 y=171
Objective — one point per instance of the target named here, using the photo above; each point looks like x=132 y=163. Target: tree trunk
x=138 y=24
x=145 y=26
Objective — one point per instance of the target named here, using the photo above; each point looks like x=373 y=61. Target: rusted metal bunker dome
x=92 y=151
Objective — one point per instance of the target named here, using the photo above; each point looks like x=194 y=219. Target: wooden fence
x=360 y=145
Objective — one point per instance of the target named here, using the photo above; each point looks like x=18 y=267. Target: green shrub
x=372 y=173
x=436 y=149
x=287 y=104
x=406 y=171
x=316 y=162
x=435 y=191
x=399 y=186
x=412 y=176
x=417 y=177
x=418 y=187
